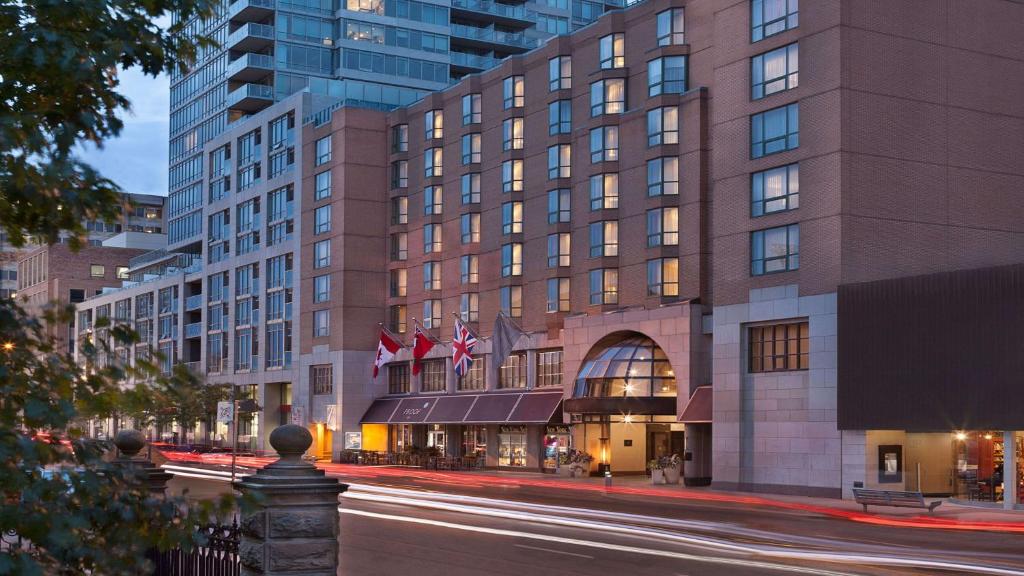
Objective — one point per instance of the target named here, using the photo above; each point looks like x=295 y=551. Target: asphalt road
x=412 y=526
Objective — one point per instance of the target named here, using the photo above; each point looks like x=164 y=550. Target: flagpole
x=466 y=326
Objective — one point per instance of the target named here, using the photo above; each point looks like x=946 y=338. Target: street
x=452 y=525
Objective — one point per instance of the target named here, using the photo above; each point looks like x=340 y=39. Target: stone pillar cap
x=129 y=443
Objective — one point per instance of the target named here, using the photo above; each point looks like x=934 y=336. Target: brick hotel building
x=780 y=240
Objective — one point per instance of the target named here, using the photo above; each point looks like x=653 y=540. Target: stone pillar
x=293 y=530
x=129 y=443
x=1009 y=469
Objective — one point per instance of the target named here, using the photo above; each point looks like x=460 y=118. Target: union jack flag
x=462 y=348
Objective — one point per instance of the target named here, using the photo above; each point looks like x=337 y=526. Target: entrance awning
x=698 y=409
x=504 y=407
x=662 y=405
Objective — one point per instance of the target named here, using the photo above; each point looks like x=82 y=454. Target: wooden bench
x=892 y=498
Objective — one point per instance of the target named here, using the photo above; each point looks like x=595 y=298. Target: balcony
x=250 y=67
x=488 y=11
x=251 y=97
x=472 y=62
x=251 y=37
x=250 y=10
x=194 y=330
x=488 y=38
x=193 y=303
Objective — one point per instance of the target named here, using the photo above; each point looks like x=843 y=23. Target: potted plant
x=672 y=468
x=657 y=472
x=579 y=463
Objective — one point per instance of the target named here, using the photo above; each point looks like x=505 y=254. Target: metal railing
x=518 y=12
x=264 y=31
x=194 y=302
x=250 y=59
x=473 y=60
x=194 y=330
x=214 y=553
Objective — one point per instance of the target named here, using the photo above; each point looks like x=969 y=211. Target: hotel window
x=432 y=375
x=322 y=220
x=663 y=226
x=559 y=203
x=323 y=186
x=323 y=150
x=398 y=378
x=512 y=301
x=775 y=190
x=663 y=277
x=512 y=134
x=604 y=191
x=469 y=227
x=469 y=269
x=432 y=162
x=431 y=313
x=549 y=368
x=433 y=124
x=604 y=286
x=432 y=200
x=670 y=27
x=512 y=259
x=400 y=210
x=400 y=138
x=471 y=148
x=775 y=250
x=431 y=275
x=121 y=272
x=471 y=109
x=321 y=323
x=559 y=246
x=474 y=378
x=608 y=97
x=469 y=307
x=431 y=238
x=663 y=176
x=512 y=176
x=514 y=92
x=663 y=126
x=779 y=347
x=775 y=71
x=513 y=371
x=399 y=283
x=400 y=174
x=559 y=161
x=373 y=6
x=471 y=188
x=399 y=246
x=322 y=377
x=604 y=238
x=771 y=17
x=558 y=295
x=97 y=270
x=397 y=321
x=559 y=73
x=512 y=218
x=604 y=144
x=666 y=75
x=322 y=288
x=560 y=117
x=612 y=51
x=322 y=254
x=775 y=130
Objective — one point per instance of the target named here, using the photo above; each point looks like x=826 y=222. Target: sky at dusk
x=137 y=160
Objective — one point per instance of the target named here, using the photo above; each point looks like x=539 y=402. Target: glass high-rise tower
x=374 y=53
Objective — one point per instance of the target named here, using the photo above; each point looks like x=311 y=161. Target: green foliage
x=58 y=90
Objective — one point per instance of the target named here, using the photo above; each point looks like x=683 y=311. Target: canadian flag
x=386 y=349
x=421 y=344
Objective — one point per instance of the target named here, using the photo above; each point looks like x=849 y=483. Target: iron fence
x=214 y=553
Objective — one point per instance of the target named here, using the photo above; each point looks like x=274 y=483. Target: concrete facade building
x=630 y=196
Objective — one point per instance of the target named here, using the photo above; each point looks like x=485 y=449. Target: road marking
x=553 y=551
x=590 y=544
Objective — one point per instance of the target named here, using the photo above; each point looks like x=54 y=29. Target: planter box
x=657 y=476
x=672 y=475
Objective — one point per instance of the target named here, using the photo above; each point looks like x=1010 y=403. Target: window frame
x=560 y=73
x=606 y=105
x=606 y=277
x=658 y=282
x=759 y=28
x=790 y=77
x=612 y=51
x=759 y=247
x=559 y=205
x=474 y=115
x=666 y=32
x=604 y=238
x=790 y=137
x=790 y=199
x=658 y=84
x=514 y=91
x=604 y=191
x=604 y=144
x=761 y=337
x=662 y=186
x=658 y=133
x=556 y=154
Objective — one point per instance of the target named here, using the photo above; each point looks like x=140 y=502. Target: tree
x=58 y=91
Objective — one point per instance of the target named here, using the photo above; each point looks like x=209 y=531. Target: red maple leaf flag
x=386 y=350
x=421 y=344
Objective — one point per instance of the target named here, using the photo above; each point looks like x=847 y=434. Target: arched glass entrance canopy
x=632 y=366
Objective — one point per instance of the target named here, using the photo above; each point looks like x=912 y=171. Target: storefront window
x=400 y=437
x=556 y=446
x=436 y=437
x=474 y=441
x=980 y=465
x=512 y=446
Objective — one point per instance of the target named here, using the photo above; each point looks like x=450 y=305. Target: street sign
x=224 y=412
x=332 y=417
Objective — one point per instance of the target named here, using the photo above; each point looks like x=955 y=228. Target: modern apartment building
x=630 y=195
x=371 y=53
